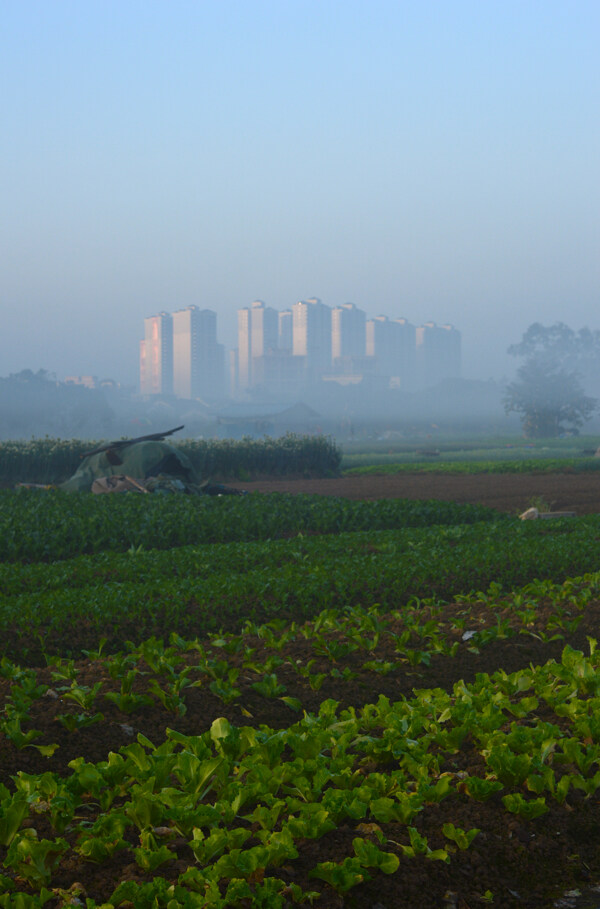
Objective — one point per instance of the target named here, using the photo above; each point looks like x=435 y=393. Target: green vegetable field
x=281 y=701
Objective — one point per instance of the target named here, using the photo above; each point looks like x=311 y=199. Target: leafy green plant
x=13 y=810
x=462 y=838
x=33 y=859
x=269 y=687
x=126 y=700
x=525 y=808
x=62 y=670
x=150 y=855
x=343 y=876
x=480 y=789
x=224 y=686
x=82 y=695
x=418 y=845
x=99 y=842
x=73 y=721
x=11 y=727
x=371 y=856
x=170 y=696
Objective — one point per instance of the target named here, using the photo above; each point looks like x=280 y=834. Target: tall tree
x=548 y=393
x=557 y=346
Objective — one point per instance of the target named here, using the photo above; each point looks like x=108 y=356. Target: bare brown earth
x=512 y=493
x=525 y=865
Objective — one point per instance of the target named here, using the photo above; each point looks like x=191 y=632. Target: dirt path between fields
x=511 y=493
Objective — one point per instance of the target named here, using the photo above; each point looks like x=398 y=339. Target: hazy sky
x=432 y=160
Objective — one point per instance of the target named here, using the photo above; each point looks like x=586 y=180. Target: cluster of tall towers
x=180 y=355
x=288 y=351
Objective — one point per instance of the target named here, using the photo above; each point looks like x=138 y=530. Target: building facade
x=285 y=352
x=285 y=339
x=156 y=355
x=198 y=359
x=347 y=331
x=258 y=335
x=311 y=337
x=438 y=353
x=392 y=345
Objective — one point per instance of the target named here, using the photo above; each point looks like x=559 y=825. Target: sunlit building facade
x=288 y=352
x=198 y=359
x=258 y=334
x=347 y=331
x=156 y=355
x=311 y=336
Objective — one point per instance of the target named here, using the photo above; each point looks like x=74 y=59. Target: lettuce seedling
x=341 y=877
x=371 y=856
x=33 y=859
x=269 y=687
x=149 y=855
x=419 y=846
x=73 y=721
x=11 y=727
x=527 y=809
x=83 y=696
x=13 y=810
x=224 y=683
x=510 y=768
x=104 y=838
x=479 y=789
x=462 y=838
x=63 y=670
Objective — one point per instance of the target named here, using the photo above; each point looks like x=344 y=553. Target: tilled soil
x=512 y=493
x=523 y=864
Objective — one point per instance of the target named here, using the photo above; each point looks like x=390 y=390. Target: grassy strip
x=533 y=465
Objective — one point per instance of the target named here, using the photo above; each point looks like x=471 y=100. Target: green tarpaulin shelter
x=138 y=460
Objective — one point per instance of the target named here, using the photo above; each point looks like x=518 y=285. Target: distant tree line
x=36 y=404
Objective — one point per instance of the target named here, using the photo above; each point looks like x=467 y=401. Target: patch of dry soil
x=512 y=493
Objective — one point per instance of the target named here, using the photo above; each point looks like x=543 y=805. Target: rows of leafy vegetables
x=238 y=804
x=448 y=466
x=48 y=525
x=200 y=589
x=54 y=460
x=263 y=659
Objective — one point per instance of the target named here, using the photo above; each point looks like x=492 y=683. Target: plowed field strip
x=510 y=493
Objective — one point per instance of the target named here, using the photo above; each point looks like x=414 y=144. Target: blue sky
x=432 y=160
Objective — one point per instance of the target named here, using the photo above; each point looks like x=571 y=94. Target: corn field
x=55 y=460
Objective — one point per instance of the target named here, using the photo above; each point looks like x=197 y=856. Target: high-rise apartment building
x=279 y=353
x=311 y=336
x=234 y=383
x=285 y=330
x=348 y=331
x=243 y=349
x=198 y=359
x=156 y=355
x=258 y=334
x=264 y=329
x=438 y=351
x=392 y=342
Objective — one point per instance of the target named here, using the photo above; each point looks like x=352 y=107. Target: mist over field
x=432 y=162
x=35 y=406
x=555 y=392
